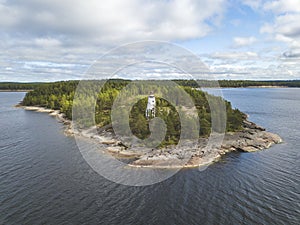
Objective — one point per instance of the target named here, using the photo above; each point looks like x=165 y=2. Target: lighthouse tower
x=150 y=111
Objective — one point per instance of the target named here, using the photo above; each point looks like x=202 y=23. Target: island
x=239 y=134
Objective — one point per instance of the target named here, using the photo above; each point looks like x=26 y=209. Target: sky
x=52 y=40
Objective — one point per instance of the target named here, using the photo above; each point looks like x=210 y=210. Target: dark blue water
x=44 y=179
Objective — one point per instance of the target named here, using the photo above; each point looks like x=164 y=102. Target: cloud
x=64 y=31
x=114 y=20
x=47 y=42
x=292 y=54
x=254 y=4
x=264 y=65
x=285 y=28
x=282 y=6
x=235 y=55
x=244 y=41
x=288 y=25
x=58 y=39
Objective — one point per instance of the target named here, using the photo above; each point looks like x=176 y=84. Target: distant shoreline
x=267 y=87
x=19 y=86
x=264 y=86
x=21 y=90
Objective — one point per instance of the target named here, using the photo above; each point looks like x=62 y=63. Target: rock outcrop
x=189 y=154
x=250 y=139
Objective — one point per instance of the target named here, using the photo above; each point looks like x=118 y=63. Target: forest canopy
x=60 y=95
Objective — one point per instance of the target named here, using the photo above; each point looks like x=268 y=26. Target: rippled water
x=44 y=180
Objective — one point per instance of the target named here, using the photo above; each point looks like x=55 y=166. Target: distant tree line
x=60 y=95
x=187 y=83
x=250 y=83
x=238 y=83
x=15 y=86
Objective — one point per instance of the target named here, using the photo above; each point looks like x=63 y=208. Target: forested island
x=60 y=95
x=241 y=135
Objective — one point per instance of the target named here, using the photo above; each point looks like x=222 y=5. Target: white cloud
x=66 y=31
x=282 y=6
x=114 y=20
x=285 y=29
x=235 y=55
x=8 y=16
x=267 y=28
x=252 y=65
x=58 y=39
x=254 y=4
x=244 y=41
x=44 y=37
x=47 y=42
x=286 y=22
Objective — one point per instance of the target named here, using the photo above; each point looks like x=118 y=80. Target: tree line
x=187 y=83
x=15 y=86
x=60 y=96
x=238 y=83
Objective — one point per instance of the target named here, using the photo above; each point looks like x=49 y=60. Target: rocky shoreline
x=252 y=138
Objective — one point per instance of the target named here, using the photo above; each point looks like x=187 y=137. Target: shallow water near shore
x=44 y=179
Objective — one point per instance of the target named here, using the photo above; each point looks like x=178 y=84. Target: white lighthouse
x=150 y=111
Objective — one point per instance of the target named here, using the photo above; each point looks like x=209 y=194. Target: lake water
x=44 y=179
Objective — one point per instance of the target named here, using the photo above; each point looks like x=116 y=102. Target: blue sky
x=53 y=40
